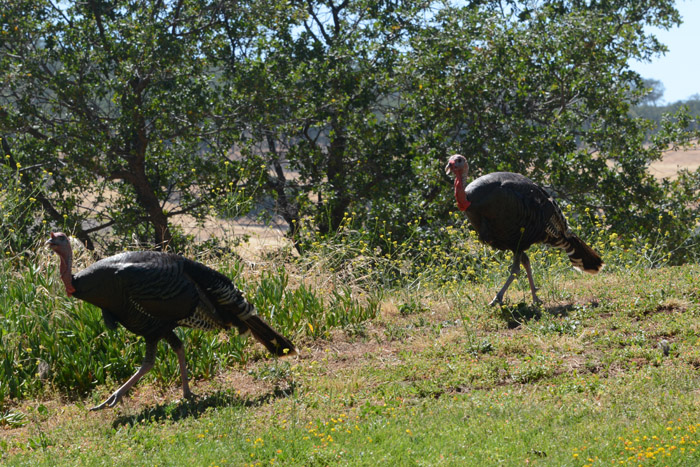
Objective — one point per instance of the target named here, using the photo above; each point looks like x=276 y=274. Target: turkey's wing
x=162 y=292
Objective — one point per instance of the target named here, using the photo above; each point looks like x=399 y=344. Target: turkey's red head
x=457 y=165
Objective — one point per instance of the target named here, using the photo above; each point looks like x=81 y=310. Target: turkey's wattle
x=460 y=170
x=511 y=212
x=151 y=293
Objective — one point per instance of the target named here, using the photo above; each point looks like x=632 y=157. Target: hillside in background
x=656 y=113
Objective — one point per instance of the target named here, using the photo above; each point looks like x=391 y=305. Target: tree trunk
x=288 y=211
x=336 y=173
x=137 y=167
x=149 y=201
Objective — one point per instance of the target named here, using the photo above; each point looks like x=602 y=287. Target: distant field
x=675 y=160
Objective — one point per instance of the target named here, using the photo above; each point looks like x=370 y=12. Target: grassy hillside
x=422 y=372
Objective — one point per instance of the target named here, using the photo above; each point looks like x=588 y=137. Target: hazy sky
x=679 y=69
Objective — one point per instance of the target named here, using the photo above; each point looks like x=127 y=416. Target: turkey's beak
x=449 y=168
x=51 y=241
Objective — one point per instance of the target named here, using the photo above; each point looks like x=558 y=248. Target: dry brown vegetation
x=673 y=161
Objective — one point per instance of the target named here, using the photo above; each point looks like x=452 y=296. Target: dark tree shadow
x=197 y=406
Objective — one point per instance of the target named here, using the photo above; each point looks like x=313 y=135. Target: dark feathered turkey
x=151 y=293
x=511 y=212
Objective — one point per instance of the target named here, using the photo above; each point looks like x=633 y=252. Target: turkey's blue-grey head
x=58 y=242
x=457 y=165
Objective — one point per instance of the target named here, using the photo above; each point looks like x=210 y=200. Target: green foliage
x=50 y=341
x=657 y=113
x=317 y=88
x=19 y=218
x=304 y=310
x=142 y=112
x=120 y=106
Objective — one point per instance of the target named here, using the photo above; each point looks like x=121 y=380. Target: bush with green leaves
x=142 y=112
x=48 y=340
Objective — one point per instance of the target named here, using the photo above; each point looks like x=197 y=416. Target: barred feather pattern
x=221 y=302
x=559 y=235
x=150 y=293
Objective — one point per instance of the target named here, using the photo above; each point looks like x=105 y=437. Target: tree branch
x=45 y=202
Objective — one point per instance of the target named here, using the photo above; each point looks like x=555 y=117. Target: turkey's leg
x=526 y=262
x=179 y=349
x=514 y=270
x=148 y=362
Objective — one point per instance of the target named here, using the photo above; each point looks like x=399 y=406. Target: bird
x=511 y=212
x=151 y=293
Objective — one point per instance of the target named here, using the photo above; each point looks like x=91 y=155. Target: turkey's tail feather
x=583 y=257
x=273 y=341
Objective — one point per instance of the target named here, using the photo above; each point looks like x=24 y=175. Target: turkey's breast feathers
x=509 y=211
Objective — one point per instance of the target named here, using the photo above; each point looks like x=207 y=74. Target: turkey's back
x=509 y=211
x=147 y=291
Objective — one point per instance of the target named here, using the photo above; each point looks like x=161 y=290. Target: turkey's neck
x=66 y=272
x=461 y=195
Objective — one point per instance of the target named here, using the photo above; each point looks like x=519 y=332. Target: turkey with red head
x=151 y=293
x=511 y=212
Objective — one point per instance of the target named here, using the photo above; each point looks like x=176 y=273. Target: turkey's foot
x=496 y=301
x=110 y=402
x=535 y=299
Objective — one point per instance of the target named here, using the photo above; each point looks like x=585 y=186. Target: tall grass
x=445 y=257
x=51 y=342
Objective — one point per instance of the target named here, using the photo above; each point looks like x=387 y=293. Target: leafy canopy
x=141 y=111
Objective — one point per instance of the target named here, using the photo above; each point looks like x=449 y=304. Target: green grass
x=399 y=364
x=440 y=380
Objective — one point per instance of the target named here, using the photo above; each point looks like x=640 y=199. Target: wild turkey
x=511 y=212
x=151 y=293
